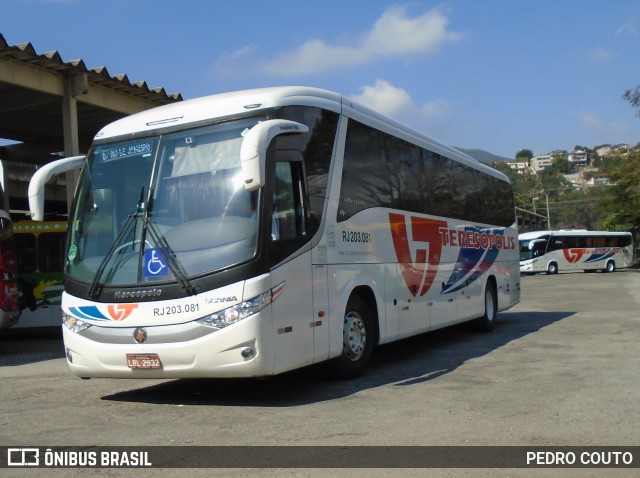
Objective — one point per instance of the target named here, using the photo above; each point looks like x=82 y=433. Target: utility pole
x=548 y=213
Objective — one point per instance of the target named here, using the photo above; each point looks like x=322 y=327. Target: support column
x=73 y=86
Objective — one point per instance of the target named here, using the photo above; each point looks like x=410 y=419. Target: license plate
x=143 y=361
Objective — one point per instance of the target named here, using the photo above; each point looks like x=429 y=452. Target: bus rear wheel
x=357 y=340
x=610 y=267
x=487 y=322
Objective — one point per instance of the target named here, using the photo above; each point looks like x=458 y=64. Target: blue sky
x=499 y=75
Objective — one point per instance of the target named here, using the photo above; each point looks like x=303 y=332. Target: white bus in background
x=252 y=233
x=554 y=251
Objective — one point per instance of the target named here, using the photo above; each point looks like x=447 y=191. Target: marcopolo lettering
x=137 y=294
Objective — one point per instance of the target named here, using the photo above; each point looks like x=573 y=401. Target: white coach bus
x=552 y=251
x=251 y=233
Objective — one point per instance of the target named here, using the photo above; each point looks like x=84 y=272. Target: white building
x=519 y=167
x=578 y=157
x=538 y=163
x=598 y=179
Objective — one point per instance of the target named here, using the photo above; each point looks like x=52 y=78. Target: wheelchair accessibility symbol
x=154 y=264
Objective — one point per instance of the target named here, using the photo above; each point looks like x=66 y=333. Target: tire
x=487 y=322
x=357 y=340
x=610 y=267
x=552 y=269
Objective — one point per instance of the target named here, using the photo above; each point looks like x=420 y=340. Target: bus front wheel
x=610 y=267
x=357 y=340
x=552 y=268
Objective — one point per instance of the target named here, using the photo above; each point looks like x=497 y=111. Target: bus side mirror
x=253 y=152
x=41 y=176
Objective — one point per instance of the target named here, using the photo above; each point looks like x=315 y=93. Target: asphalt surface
x=560 y=369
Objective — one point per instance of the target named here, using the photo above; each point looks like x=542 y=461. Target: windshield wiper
x=94 y=290
x=148 y=226
x=174 y=264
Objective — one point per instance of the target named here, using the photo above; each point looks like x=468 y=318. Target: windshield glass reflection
x=198 y=219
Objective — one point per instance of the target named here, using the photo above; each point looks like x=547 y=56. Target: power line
x=561 y=204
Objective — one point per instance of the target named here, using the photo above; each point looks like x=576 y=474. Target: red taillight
x=8 y=294
x=8 y=261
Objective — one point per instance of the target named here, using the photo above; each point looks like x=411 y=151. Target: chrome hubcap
x=354 y=336
x=489 y=305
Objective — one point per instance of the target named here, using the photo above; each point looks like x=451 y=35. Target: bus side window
x=26 y=252
x=288 y=207
x=556 y=244
x=288 y=217
x=538 y=249
x=51 y=252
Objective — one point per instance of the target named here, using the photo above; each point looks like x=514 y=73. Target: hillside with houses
x=592 y=188
x=581 y=167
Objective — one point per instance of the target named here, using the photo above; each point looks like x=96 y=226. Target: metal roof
x=32 y=88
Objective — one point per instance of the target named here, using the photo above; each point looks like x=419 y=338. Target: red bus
x=9 y=310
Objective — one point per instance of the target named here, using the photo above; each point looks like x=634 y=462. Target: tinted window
x=316 y=148
x=51 y=247
x=363 y=185
x=622 y=241
x=381 y=170
x=288 y=217
x=594 y=241
x=26 y=252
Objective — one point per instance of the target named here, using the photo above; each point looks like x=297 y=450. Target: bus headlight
x=74 y=324
x=238 y=312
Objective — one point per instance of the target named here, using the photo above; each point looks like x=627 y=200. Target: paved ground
x=561 y=369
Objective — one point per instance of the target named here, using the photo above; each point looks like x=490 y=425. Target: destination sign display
x=124 y=150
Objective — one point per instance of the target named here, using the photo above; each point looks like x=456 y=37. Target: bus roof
x=201 y=110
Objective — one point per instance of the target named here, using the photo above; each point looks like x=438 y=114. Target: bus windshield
x=532 y=248
x=159 y=208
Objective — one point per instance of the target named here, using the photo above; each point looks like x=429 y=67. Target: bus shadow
x=31 y=345
x=401 y=364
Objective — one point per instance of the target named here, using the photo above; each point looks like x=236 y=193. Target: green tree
x=524 y=154
x=554 y=183
x=622 y=202
x=633 y=97
x=525 y=186
x=611 y=164
x=563 y=165
x=578 y=209
x=503 y=167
